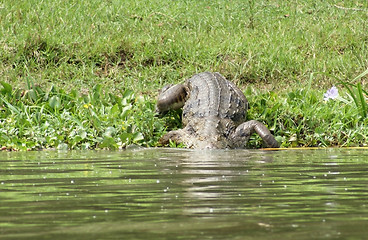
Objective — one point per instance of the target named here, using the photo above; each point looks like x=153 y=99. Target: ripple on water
x=174 y=193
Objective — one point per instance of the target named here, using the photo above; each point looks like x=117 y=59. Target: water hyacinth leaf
x=85 y=146
x=115 y=109
x=125 y=111
x=113 y=99
x=109 y=132
x=128 y=95
x=76 y=139
x=137 y=137
x=95 y=120
x=54 y=102
x=82 y=134
x=125 y=137
x=97 y=92
x=63 y=146
x=108 y=142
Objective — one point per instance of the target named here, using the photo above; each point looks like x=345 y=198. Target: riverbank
x=35 y=118
x=85 y=75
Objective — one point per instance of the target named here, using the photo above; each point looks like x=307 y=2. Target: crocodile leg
x=174 y=136
x=245 y=130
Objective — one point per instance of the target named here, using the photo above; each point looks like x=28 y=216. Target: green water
x=184 y=194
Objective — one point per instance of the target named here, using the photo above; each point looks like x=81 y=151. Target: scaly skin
x=214 y=111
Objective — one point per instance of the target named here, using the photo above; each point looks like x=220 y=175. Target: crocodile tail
x=171 y=98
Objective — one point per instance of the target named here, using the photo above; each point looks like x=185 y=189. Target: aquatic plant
x=33 y=118
x=298 y=117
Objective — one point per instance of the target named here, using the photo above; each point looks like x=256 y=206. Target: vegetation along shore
x=85 y=74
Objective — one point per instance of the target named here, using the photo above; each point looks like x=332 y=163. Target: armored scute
x=214 y=111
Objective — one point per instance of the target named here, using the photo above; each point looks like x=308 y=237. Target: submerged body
x=214 y=111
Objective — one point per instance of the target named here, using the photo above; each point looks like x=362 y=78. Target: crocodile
x=214 y=111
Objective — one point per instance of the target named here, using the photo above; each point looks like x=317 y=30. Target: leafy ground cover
x=35 y=119
x=84 y=74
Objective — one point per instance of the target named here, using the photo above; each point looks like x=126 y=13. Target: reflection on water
x=179 y=193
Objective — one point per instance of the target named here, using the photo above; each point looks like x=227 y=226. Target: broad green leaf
x=54 y=102
x=109 y=132
x=62 y=146
x=115 y=109
x=108 y=142
x=125 y=111
x=82 y=134
x=137 y=137
x=76 y=139
x=125 y=137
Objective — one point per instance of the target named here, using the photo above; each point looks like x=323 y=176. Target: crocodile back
x=211 y=95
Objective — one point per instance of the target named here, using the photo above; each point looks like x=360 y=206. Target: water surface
x=184 y=194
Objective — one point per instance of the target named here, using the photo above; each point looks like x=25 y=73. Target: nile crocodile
x=214 y=111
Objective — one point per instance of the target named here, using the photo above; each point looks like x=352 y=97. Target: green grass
x=144 y=44
x=268 y=48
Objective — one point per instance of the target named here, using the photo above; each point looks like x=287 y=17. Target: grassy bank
x=144 y=44
x=74 y=66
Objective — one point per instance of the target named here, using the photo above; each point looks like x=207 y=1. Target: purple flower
x=331 y=93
